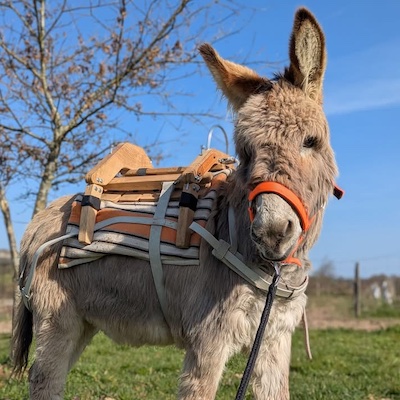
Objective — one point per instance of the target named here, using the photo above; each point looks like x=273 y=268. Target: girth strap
x=154 y=245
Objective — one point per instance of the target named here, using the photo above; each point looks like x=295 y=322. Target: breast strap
x=234 y=260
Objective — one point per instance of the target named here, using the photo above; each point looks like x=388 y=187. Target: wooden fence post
x=357 y=291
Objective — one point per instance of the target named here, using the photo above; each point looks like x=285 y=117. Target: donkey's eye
x=310 y=142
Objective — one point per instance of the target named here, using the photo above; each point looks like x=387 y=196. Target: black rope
x=259 y=335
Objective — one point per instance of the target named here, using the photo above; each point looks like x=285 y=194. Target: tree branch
x=41 y=33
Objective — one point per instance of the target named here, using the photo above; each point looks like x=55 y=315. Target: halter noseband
x=294 y=201
x=287 y=195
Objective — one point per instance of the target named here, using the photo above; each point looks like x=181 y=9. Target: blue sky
x=362 y=103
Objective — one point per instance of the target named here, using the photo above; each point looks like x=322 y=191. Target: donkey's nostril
x=285 y=229
x=289 y=228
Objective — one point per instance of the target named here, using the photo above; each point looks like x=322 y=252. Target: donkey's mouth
x=279 y=250
x=267 y=255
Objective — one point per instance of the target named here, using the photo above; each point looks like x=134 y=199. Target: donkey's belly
x=135 y=333
x=127 y=322
x=117 y=295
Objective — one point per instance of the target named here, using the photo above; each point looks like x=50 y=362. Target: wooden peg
x=187 y=208
x=90 y=206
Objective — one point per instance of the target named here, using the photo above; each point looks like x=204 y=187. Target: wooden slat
x=122 y=197
x=114 y=197
x=124 y=156
x=149 y=197
x=161 y=171
x=153 y=171
x=135 y=183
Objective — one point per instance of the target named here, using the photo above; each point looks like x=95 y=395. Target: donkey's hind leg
x=58 y=343
x=202 y=370
x=86 y=336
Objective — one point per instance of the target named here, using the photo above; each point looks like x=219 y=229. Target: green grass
x=342 y=307
x=347 y=364
x=354 y=365
x=373 y=310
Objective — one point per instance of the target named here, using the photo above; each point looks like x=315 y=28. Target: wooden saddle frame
x=127 y=175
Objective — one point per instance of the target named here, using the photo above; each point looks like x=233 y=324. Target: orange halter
x=295 y=202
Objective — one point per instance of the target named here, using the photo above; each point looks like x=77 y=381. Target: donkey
x=281 y=137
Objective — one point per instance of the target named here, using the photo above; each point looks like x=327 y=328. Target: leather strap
x=287 y=195
x=254 y=275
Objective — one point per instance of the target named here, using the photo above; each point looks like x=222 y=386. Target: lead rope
x=306 y=336
x=259 y=335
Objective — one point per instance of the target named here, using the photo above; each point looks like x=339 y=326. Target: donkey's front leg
x=202 y=370
x=271 y=372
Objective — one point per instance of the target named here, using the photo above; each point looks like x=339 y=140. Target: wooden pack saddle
x=127 y=175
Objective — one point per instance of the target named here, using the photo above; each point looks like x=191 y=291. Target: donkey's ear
x=236 y=82
x=307 y=55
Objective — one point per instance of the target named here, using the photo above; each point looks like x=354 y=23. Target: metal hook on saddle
x=209 y=137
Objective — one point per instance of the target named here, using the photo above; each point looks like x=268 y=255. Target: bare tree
x=9 y=159
x=66 y=69
x=325 y=270
x=323 y=278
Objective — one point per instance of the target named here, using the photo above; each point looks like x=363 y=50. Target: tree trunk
x=5 y=210
x=46 y=181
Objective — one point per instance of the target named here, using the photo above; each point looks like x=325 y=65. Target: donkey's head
x=282 y=136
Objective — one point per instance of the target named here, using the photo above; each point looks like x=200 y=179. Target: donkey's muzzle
x=287 y=195
x=276 y=228
x=279 y=220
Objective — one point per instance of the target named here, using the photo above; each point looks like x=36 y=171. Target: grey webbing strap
x=25 y=290
x=154 y=246
x=254 y=275
x=136 y=220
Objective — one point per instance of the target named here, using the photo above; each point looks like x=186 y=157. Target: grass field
x=347 y=364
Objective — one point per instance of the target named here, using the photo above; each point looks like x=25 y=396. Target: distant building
x=376 y=291
x=388 y=292
x=384 y=290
